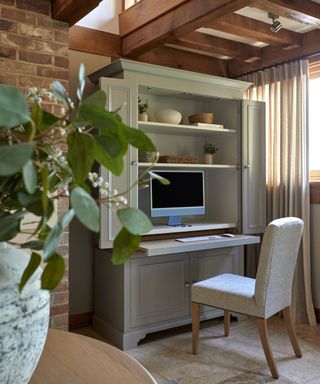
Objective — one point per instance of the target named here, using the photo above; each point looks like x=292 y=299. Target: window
x=314 y=120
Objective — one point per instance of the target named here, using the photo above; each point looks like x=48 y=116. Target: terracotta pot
x=24 y=317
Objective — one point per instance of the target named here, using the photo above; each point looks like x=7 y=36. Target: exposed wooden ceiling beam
x=212 y=44
x=175 y=58
x=303 y=11
x=143 y=12
x=72 y=11
x=94 y=41
x=256 y=30
x=181 y=20
x=273 y=55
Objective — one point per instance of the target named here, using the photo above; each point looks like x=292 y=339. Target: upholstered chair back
x=277 y=262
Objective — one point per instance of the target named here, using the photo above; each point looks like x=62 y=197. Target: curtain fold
x=284 y=88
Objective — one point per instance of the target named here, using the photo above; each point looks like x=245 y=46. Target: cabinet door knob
x=187 y=284
x=134 y=163
x=247 y=166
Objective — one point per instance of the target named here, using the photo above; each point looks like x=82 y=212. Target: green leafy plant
x=210 y=149
x=44 y=157
x=142 y=107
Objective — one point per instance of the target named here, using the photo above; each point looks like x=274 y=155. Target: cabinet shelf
x=179 y=129
x=184 y=165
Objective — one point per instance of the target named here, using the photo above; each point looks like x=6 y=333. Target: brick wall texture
x=34 y=52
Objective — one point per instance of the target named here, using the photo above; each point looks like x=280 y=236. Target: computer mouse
x=227 y=235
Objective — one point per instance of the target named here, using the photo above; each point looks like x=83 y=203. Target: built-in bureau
x=152 y=290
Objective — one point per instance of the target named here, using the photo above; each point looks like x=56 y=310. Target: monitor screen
x=184 y=196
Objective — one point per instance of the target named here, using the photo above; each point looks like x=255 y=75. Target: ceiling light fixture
x=276 y=25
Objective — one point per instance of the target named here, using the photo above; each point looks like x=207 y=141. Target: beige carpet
x=237 y=359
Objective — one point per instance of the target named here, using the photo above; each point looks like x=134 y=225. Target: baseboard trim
x=80 y=320
x=317 y=312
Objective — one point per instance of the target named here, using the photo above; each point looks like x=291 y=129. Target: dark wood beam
x=274 y=55
x=72 y=11
x=143 y=12
x=175 y=58
x=209 y=44
x=94 y=41
x=181 y=20
x=303 y=11
x=256 y=30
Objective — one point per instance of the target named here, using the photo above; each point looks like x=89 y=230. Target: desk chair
x=262 y=297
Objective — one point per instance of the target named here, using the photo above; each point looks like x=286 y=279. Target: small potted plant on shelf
x=142 y=108
x=209 y=151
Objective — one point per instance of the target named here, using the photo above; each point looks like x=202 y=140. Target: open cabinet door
x=253 y=167
x=120 y=93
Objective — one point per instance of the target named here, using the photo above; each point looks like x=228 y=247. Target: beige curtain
x=284 y=89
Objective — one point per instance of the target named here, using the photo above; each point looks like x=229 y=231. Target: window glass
x=314 y=127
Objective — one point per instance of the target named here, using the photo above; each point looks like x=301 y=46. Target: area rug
x=237 y=359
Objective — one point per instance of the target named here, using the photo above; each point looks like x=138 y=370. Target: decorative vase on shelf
x=208 y=158
x=143 y=116
x=169 y=116
x=24 y=317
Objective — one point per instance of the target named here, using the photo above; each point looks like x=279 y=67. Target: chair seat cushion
x=230 y=292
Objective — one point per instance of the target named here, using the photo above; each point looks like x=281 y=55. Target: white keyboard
x=198 y=238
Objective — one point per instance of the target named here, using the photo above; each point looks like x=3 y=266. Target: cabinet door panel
x=119 y=93
x=158 y=291
x=253 y=168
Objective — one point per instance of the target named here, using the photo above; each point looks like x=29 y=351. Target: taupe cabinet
x=152 y=290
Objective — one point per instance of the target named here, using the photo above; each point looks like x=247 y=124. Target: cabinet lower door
x=158 y=289
x=214 y=262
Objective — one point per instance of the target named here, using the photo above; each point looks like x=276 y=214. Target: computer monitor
x=184 y=196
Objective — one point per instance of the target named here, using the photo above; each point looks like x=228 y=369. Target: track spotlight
x=276 y=25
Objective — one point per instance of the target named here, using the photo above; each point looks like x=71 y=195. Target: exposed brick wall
x=33 y=52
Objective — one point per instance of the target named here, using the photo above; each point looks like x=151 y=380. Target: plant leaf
x=86 y=209
x=105 y=153
x=53 y=272
x=10 y=225
x=13 y=157
x=33 y=244
x=161 y=179
x=139 y=139
x=134 y=220
x=53 y=238
x=32 y=266
x=124 y=245
x=82 y=75
x=80 y=155
x=30 y=176
x=59 y=92
x=13 y=107
x=98 y=98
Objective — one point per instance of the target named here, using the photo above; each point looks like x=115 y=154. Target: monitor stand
x=174 y=221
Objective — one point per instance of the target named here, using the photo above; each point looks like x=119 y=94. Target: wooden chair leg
x=262 y=326
x=291 y=331
x=226 y=323
x=195 y=327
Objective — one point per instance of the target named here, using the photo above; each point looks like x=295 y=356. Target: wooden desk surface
x=69 y=358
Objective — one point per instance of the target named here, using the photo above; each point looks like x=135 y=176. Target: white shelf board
x=179 y=129
x=185 y=165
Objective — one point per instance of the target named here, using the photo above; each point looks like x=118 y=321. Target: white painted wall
x=104 y=17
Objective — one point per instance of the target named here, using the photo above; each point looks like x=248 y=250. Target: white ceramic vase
x=208 y=158
x=24 y=318
x=169 y=116
x=143 y=116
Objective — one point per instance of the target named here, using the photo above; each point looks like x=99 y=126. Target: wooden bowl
x=205 y=118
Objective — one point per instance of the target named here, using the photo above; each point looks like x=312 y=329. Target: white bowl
x=169 y=116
